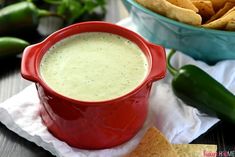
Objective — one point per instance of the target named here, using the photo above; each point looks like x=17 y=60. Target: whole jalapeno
x=198 y=89
x=20 y=16
x=11 y=46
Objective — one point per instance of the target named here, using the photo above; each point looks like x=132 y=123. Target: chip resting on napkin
x=154 y=144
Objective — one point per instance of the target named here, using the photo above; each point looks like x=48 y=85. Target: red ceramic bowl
x=93 y=125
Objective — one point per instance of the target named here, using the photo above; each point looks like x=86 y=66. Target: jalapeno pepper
x=11 y=46
x=20 y=16
x=198 y=89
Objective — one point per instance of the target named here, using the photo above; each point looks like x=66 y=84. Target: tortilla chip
x=228 y=12
x=217 y=4
x=206 y=9
x=223 y=21
x=222 y=11
x=153 y=144
x=194 y=150
x=167 y=9
x=187 y=4
x=231 y=25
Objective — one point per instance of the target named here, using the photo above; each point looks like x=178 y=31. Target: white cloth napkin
x=180 y=123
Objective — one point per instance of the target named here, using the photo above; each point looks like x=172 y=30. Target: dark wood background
x=12 y=145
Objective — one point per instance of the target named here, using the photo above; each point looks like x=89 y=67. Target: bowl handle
x=158 y=69
x=28 y=63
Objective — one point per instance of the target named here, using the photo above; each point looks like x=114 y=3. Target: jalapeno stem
x=56 y=2
x=172 y=70
x=45 y=13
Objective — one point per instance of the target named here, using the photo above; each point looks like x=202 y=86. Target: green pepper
x=20 y=16
x=198 y=89
x=11 y=46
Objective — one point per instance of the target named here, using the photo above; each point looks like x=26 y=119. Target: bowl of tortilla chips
x=202 y=29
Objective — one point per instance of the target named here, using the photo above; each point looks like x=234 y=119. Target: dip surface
x=94 y=66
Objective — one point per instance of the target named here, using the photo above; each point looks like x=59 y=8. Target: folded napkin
x=178 y=122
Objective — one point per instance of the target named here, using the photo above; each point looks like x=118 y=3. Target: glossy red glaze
x=93 y=125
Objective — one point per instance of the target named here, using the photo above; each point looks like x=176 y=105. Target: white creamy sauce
x=94 y=66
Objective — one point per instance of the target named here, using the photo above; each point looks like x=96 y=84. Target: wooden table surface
x=12 y=145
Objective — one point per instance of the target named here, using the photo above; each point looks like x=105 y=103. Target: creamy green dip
x=94 y=66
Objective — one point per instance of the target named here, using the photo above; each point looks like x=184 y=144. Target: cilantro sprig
x=72 y=10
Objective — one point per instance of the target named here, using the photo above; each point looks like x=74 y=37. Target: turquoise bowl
x=200 y=43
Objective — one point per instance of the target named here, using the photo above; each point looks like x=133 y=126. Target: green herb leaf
x=74 y=9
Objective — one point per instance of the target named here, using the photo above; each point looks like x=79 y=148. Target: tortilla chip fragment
x=194 y=150
x=223 y=21
x=167 y=9
x=231 y=25
x=187 y=4
x=222 y=11
x=153 y=144
x=206 y=9
x=217 y=4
